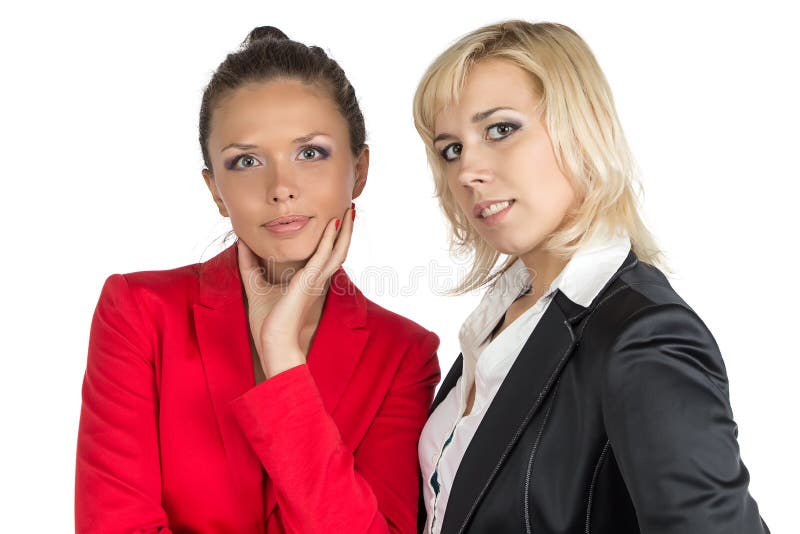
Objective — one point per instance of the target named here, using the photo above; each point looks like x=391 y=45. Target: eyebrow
x=303 y=139
x=478 y=117
x=239 y=146
x=307 y=138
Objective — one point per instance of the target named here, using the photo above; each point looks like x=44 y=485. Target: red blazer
x=176 y=437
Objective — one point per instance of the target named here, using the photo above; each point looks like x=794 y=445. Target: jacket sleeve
x=322 y=486
x=117 y=475
x=668 y=416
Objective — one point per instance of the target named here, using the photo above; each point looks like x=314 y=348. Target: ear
x=362 y=169
x=208 y=176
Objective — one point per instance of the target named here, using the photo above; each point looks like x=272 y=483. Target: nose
x=474 y=169
x=282 y=196
x=282 y=186
x=474 y=177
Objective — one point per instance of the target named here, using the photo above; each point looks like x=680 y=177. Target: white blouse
x=447 y=433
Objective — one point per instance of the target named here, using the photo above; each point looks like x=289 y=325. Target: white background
x=101 y=174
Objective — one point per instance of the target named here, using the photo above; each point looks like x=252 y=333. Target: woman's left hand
x=276 y=323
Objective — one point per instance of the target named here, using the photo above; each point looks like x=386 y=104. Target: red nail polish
x=353 y=214
x=338 y=222
x=353 y=205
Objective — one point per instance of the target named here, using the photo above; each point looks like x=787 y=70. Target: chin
x=513 y=248
x=286 y=253
x=501 y=242
x=292 y=256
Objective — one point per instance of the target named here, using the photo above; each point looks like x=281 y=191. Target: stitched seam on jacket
x=529 y=472
x=691 y=311
x=521 y=427
x=599 y=305
x=680 y=306
x=618 y=277
x=627 y=285
x=591 y=487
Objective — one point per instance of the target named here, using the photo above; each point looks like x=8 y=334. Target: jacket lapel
x=222 y=332
x=223 y=338
x=517 y=401
x=338 y=341
x=519 y=398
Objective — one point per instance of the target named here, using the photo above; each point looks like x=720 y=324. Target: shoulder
x=164 y=280
x=132 y=305
x=154 y=289
x=396 y=328
x=640 y=326
x=640 y=293
x=405 y=346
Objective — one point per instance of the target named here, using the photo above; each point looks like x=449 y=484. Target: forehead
x=280 y=108
x=489 y=83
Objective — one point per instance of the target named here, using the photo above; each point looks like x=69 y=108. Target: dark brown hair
x=266 y=54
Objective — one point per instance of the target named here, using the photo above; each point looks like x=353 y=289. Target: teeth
x=494 y=208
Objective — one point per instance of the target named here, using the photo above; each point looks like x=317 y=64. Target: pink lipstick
x=493 y=211
x=288 y=224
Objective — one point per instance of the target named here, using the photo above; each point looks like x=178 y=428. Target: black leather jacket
x=615 y=418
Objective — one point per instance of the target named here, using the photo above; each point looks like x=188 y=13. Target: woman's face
x=499 y=160
x=282 y=167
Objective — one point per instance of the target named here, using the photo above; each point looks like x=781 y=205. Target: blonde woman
x=588 y=397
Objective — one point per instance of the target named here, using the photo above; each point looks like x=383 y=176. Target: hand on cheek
x=276 y=324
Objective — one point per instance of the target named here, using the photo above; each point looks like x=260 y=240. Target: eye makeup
x=509 y=127
x=232 y=163
x=322 y=153
x=494 y=132
x=306 y=151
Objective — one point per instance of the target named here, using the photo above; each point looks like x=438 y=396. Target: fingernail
x=353 y=214
x=338 y=222
x=352 y=205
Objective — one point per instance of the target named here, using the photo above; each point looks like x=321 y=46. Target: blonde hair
x=578 y=112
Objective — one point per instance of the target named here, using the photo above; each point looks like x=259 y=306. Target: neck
x=279 y=274
x=278 y=277
x=543 y=267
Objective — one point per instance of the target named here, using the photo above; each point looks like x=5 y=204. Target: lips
x=287 y=219
x=287 y=225
x=489 y=207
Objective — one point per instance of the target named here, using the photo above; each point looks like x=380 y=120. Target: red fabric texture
x=176 y=437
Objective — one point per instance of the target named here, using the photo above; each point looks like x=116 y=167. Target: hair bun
x=262 y=33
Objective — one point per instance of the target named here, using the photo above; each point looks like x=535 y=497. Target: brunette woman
x=259 y=391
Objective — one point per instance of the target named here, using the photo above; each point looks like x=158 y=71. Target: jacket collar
x=575 y=312
x=220 y=285
x=572 y=311
x=521 y=396
x=222 y=329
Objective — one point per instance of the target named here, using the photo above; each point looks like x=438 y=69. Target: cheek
x=546 y=186
x=559 y=198
x=457 y=190
x=236 y=199
x=330 y=187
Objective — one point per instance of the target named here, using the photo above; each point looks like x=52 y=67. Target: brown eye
x=451 y=151
x=500 y=130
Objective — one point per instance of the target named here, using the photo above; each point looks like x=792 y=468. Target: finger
x=311 y=280
x=318 y=260
x=342 y=245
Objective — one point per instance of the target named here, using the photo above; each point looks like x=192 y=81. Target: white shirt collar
x=591 y=267
x=587 y=272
